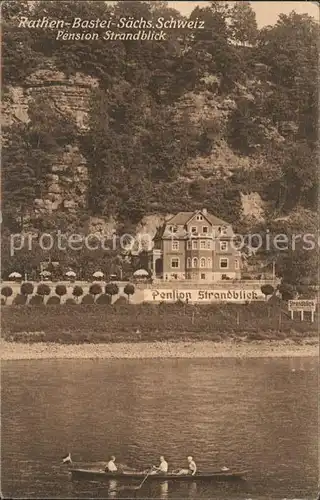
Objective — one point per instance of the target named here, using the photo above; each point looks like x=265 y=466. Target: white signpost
x=302 y=306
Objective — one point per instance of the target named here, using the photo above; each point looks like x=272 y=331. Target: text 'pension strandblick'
x=122 y=22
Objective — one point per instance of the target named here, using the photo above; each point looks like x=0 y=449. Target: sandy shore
x=254 y=349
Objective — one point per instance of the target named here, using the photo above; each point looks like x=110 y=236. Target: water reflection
x=164 y=488
x=112 y=490
x=193 y=489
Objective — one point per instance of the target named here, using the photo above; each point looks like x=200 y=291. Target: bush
x=36 y=300
x=20 y=300
x=3 y=302
x=104 y=299
x=87 y=299
x=54 y=300
x=112 y=289
x=306 y=292
x=267 y=290
x=77 y=292
x=61 y=290
x=121 y=300
x=95 y=289
x=287 y=291
x=6 y=291
x=43 y=289
x=71 y=302
x=129 y=290
x=27 y=288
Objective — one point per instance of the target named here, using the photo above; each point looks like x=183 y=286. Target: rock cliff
x=67 y=183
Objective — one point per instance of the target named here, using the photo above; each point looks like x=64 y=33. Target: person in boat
x=111 y=466
x=162 y=468
x=192 y=468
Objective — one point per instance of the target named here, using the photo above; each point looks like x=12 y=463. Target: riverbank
x=92 y=324
x=143 y=350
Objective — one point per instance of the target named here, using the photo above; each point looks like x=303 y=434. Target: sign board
x=302 y=306
x=203 y=296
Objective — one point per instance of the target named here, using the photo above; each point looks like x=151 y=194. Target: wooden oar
x=140 y=485
x=133 y=488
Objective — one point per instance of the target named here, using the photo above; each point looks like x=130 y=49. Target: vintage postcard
x=160 y=245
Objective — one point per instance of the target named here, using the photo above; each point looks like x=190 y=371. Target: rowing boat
x=91 y=474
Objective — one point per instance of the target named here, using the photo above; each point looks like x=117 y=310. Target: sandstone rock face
x=67 y=186
x=147 y=228
x=105 y=226
x=252 y=206
x=69 y=94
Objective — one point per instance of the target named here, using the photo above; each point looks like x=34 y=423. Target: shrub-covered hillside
x=199 y=119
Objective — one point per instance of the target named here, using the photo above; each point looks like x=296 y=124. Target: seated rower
x=192 y=468
x=111 y=466
x=163 y=467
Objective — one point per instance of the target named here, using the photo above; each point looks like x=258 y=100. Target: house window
x=202 y=262
x=223 y=230
x=205 y=229
x=188 y=262
x=236 y=264
x=224 y=263
x=189 y=245
x=175 y=261
x=175 y=245
x=203 y=276
x=203 y=244
x=199 y=217
x=208 y=244
x=223 y=246
x=193 y=230
x=194 y=244
x=195 y=262
x=209 y=263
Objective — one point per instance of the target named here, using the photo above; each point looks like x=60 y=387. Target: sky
x=266 y=12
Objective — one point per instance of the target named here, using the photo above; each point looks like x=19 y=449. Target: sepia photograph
x=160 y=250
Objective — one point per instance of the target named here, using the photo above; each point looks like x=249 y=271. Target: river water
x=258 y=415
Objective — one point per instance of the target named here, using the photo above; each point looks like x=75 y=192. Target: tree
x=129 y=290
x=296 y=265
x=267 y=290
x=95 y=289
x=77 y=292
x=43 y=289
x=293 y=68
x=61 y=290
x=6 y=291
x=27 y=288
x=287 y=291
x=243 y=23
x=112 y=289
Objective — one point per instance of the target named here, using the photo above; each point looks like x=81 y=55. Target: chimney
x=205 y=211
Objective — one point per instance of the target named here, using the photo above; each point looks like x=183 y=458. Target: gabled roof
x=182 y=218
x=215 y=221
